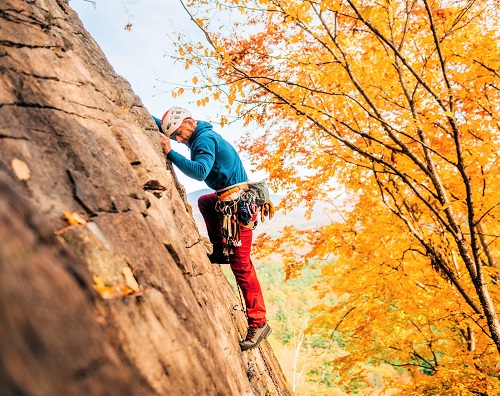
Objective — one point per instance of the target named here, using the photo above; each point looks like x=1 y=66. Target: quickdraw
x=239 y=205
x=230 y=227
x=240 y=211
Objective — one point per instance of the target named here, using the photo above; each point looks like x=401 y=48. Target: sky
x=141 y=55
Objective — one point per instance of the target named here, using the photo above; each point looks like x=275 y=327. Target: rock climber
x=216 y=162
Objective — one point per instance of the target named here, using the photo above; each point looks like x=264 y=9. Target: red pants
x=239 y=259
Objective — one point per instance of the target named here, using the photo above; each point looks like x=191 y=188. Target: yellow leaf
x=98 y=281
x=335 y=7
x=123 y=290
x=129 y=279
x=108 y=291
x=195 y=80
x=104 y=290
x=367 y=12
x=74 y=218
x=21 y=169
x=449 y=113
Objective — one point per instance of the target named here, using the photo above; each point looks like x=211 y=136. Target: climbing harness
x=238 y=205
x=236 y=208
x=233 y=192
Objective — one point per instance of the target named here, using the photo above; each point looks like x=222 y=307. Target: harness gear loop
x=232 y=193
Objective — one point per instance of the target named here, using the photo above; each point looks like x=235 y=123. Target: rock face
x=86 y=195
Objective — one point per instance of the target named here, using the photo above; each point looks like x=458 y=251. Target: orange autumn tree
x=397 y=103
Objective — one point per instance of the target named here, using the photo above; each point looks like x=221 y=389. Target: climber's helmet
x=173 y=118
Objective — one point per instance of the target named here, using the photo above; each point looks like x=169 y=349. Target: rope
x=242 y=302
x=269 y=371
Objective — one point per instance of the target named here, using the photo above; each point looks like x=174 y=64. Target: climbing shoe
x=218 y=258
x=254 y=337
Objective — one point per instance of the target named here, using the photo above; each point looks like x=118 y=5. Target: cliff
x=89 y=207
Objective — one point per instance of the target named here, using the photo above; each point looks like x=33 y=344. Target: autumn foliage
x=395 y=104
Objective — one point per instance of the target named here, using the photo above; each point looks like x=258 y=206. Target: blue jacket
x=213 y=159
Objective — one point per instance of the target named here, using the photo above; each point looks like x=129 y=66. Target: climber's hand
x=165 y=144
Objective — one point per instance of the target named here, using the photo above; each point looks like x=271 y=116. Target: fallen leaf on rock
x=107 y=291
x=74 y=218
x=21 y=169
x=130 y=280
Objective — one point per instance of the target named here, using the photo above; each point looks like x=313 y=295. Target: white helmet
x=173 y=118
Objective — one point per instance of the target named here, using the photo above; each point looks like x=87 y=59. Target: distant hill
x=296 y=217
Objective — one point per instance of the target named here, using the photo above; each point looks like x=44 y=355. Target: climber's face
x=184 y=132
